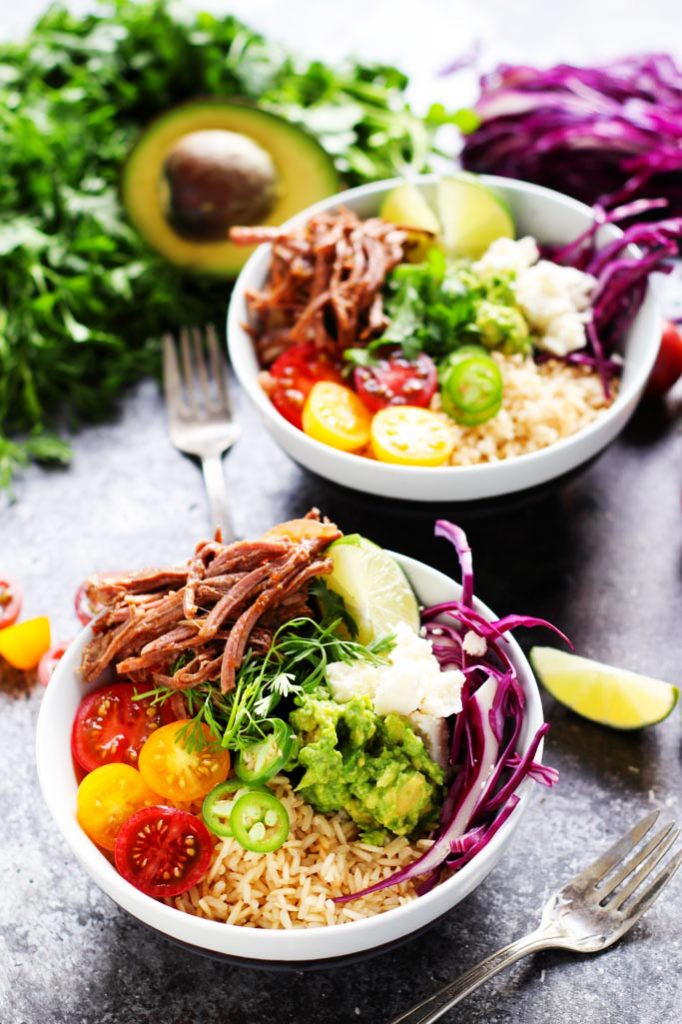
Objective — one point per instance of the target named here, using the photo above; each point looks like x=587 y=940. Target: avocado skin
x=304 y=173
x=375 y=768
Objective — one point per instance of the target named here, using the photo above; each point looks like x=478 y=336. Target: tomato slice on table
x=111 y=726
x=107 y=797
x=668 y=366
x=163 y=851
x=24 y=643
x=173 y=764
x=395 y=380
x=49 y=660
x=295 y=372
x=11 y=599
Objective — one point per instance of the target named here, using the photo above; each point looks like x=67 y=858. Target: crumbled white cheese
x=564 y=334
x=434 y=732
x=410 y=682
x=474 y=644
x=508 y=254
x=555 y=301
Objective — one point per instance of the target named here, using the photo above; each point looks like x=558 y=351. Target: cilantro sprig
x=83 y=301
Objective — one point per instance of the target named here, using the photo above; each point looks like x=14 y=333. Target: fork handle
x=433 y=1008
x=214 y=480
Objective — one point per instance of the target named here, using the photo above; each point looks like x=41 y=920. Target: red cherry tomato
x=48 y=662
x=295 y=372
x=668 y=366
x=163 y=851
x=395 y=380
x=84 y=609
x=11 y=599
x=110 y=726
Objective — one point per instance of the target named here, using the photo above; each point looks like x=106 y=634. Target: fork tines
x=620 y=873
x=195 y=374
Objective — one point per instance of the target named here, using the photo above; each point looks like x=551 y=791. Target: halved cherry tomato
x=11 y=599
x=395 y=380
x=163 y=851
x=295 y=372
x=107 y=797
x=24 y=643
x=111 y=726
x=411 y=436
x=335 y=416
x=174 y=767
x=49 y=660
x=668 y=366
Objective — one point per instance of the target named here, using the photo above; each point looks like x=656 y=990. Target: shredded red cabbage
x=603 y=134
x=610 y=135
x=621 y=274
x=487 y=769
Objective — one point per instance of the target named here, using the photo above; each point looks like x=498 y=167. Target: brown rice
x=542 y=403
x=294 y=887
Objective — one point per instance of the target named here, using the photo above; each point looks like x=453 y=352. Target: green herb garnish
x=83 y=301
x=296 y=663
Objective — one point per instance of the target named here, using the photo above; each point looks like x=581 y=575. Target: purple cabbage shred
x=486 y=766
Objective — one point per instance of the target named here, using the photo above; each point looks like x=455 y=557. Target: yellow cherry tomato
x=24 y=643
x=335 y=416
x=182 y=772
x=411 y=436
x=107 y=797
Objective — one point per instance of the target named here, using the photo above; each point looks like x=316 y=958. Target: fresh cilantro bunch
x=440 y=304
x=83 y=301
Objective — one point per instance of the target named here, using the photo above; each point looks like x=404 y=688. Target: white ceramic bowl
x=254 y=946
x=551 y=218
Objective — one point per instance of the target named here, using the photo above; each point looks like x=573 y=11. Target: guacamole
x=375 y=768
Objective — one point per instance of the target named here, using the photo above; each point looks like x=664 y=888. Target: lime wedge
x=373 y=586
x=471 y=215
x=406 y=205
x=610 y=696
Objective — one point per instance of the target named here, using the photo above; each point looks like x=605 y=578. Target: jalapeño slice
x=471 y=393
x=262 y=759
x=259 y=821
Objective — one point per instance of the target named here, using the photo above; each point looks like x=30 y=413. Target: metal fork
x=590 y=913
x=199 y=411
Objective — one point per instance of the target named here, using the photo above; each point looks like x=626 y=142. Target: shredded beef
x=190 y=624
x=324 y=283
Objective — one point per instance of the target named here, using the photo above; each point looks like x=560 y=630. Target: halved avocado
x=209 y=165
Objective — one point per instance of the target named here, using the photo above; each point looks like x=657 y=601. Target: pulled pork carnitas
x=324 y=283
x=226 y=599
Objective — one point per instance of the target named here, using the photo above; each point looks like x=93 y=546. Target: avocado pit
x=216 y=179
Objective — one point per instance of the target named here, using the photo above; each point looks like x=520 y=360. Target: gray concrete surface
x=600 y=556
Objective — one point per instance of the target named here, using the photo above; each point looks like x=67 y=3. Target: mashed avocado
x=375 y=768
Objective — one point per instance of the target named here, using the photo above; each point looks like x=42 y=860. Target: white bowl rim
x=250 y=382
x=202 y=933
